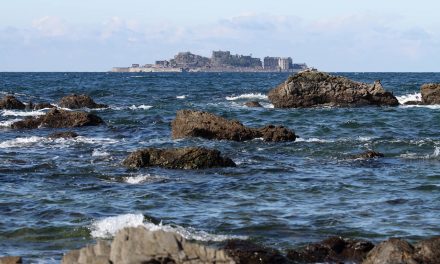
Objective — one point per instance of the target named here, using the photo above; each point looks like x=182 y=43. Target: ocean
x=62 y=194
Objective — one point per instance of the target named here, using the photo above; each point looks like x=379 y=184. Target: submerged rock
x=313 y=88
x=370 y=154
x=190 y=123
x=67 y=134
x=11 y=260
x=10 y=102
x=177 y=158
x=430 y=93
x=75 y=101
x=139 y=245
x=332 y=250
x=253 y=104
x=244 y=251
x=56 y=118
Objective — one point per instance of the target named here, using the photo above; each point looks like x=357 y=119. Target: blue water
x=58 y=195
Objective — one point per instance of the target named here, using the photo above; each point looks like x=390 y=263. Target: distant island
x=220 y=61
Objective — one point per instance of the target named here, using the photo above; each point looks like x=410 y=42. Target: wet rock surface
x=11 y=260
x=65 y=135
x=75 y=101
x=370 y=154
x=246 y=252
x=392 y=251
x=313 y=88
x=191 y=123
x=10 y=102
x=177 y=158
x=39 y=106
x=430 y=93
x=253 y=104
x=56 y=118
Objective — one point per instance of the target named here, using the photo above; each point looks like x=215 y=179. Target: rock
x=10 y=102
x=97 y=254
x=246 y=252
x=430 y=93
x=392 y=251
x=65 y=135
x=75 y=101
x=413 y=103
x=428 y=251
x=40 y=106
x=253 y=104
x=190 y=123
x=11 y=260
x=370 y=154
x=56 y=118
x=313 y=88
x=178 y=158
x=333 y=249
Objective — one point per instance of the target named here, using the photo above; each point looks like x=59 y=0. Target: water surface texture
x=58 y=195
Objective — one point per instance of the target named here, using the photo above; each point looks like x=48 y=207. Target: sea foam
x=247 y=96
x=409 y=97
x=143 y=178
x=22 y=113
x=8 y=123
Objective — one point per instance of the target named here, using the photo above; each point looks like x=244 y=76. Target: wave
x=434 y=155
x=22 y=113
x=109 y=226
x=409 y=97
x=8 y=123
x=143 y=178
x=133 y=107
x=320 y=140
x=247 y=96
x=100 y=153
x=28 y=141
x=22 y=142
x=181 y=96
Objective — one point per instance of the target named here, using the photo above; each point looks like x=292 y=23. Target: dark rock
x=75 y=101
x=313 y=88
x=428 y=251
x=370 y=154
x=253 y=104
x=190 y=123
x=392 y=251
x=430 y=93
x=413 y=103
x=246 y=252
x=10 y=102
x=40 y=106
x=56 y=118
x=67 y=134
x=334 y=250
x=11 y=260
x=178 y=158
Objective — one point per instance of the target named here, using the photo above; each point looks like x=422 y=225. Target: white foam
x=88 y=140
x=100 y=153
x=21 y=142
x=436 y=153
x=22 y=113
x=143 y=178
x=8 y=123
x=247 y=96
x=313 y=140
x=409 y=97
x=108 y=227
x=181 y=96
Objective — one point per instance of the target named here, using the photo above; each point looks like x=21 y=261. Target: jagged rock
x=246 y=252
x=75 y=101
x=313 y=88
x=430 y=93
x=178 y=158
x=333 y=250
x=11 y=260
x=253 y=104
x=10 y=102
x=190 y=123
x=428 y=251
x=67 y=134
x=56 y=118
x=392 y=251
x=370 y=154
x=139 y=245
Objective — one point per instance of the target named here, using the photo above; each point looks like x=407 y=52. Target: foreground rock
x=10 y=102
x=430 y=93
x=65 y=135
x=253 y=104
x=313 y=88
x=56 y=118
x=190 y=123
x=178 y=158
x=243 y=251
x=10 y=260
x=75 y=101
x=138 y=245
x=332 y=250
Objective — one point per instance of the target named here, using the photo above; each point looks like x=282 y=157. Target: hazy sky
x=338 y=35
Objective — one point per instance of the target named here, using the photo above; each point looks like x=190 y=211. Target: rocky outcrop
x=10 y=102
x=430 y=93
x=65 y=135
x=75 y=101
x=190 y=123
x=139 y=245
x=428 y=251
x=11 y=260
x=177 y=158
x=244 y=251
x=332 y=250
x=313 y=88
x=392 y=251
x=253 y=104
x=370 y=154
x=56 y=118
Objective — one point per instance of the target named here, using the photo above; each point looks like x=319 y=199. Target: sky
x=338 y=35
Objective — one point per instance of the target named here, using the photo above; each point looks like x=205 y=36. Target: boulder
x=428 y=251
x=392 y=251
x=11 y=260
x=65 y=135
x=430 y=93
x=177 y=158
x=244 y=251
x=137 y=245
x=253 y=104
x=370 y=154
x=191 y=123
x=10 y=102
x=333 y=250
x=75 y=101
x=314 y=88
x=56 y=118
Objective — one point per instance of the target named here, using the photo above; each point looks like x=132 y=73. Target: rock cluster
x=313 y=88
x=10 y=102
x=75 y=101
x=56 y=118
x=430 y=93
x=191 y=123
x=178 y=158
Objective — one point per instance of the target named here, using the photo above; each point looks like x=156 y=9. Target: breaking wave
x=8 y=123
x=181 y=96
x=29 y=141
x=22 y=113
x=247 y=96
x=143 y=178
x=409 y=97
x=132 y=107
